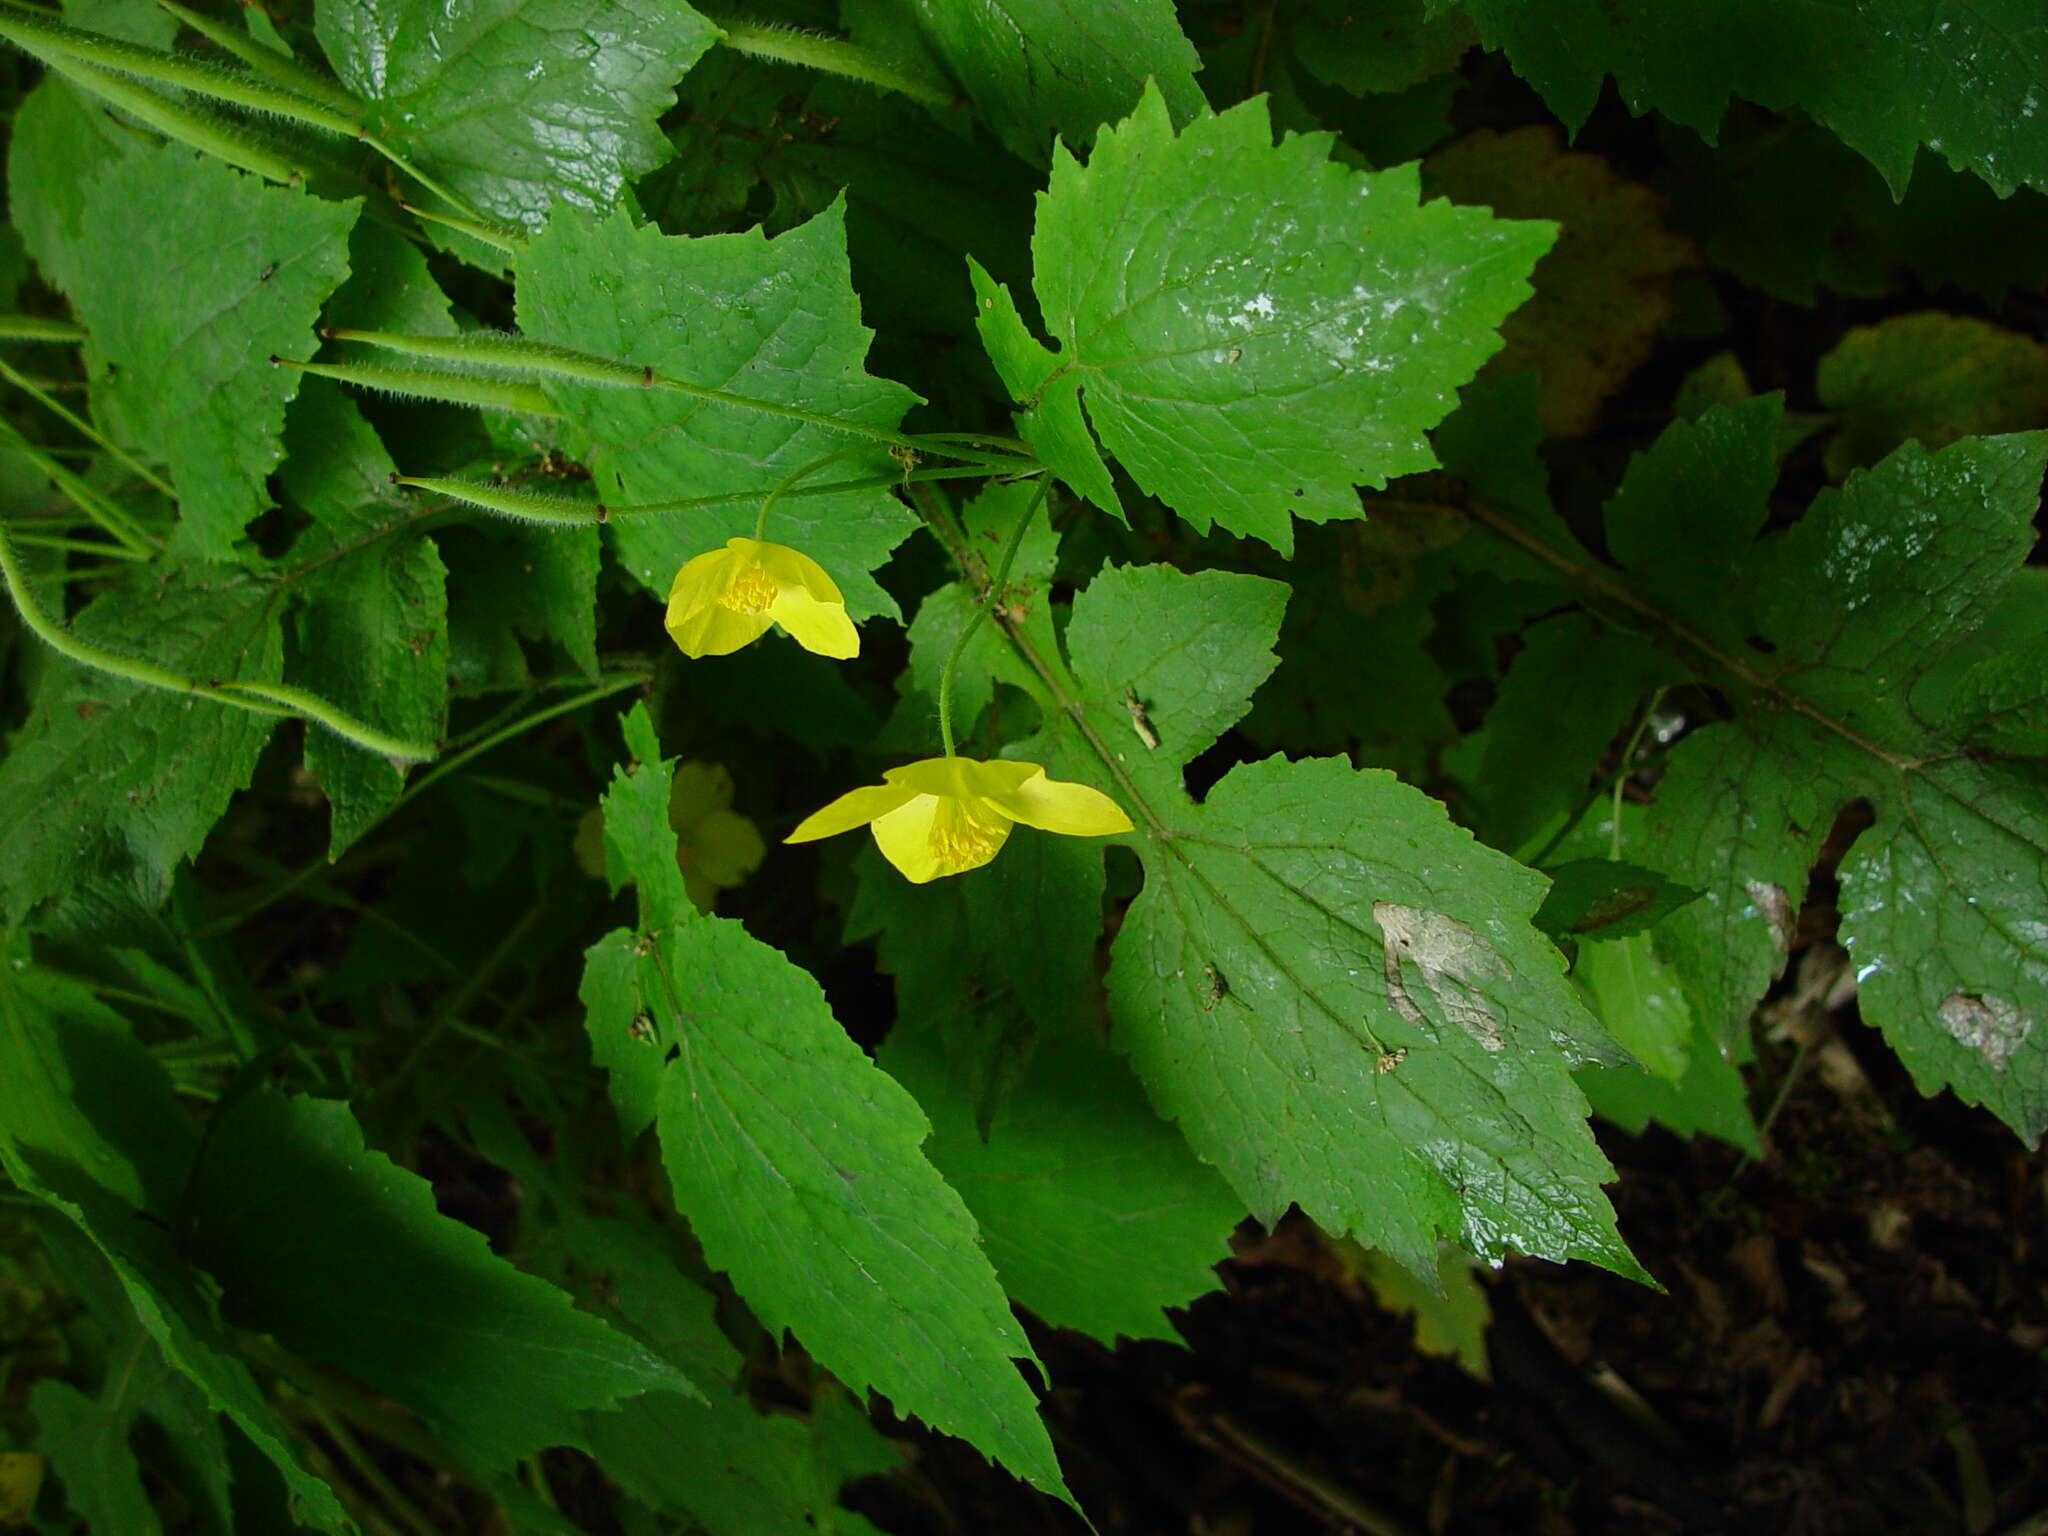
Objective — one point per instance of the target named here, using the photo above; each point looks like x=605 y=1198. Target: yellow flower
x=716 y=846
x=949 y=814
x=727 y=598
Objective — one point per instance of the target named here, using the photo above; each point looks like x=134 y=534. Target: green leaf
x=1874 y=590
x=389 y=287
x=794 y=1157
x=1253 y=354
x=1334 y=990
x=1449 y=1307
x=1094 y=1212
x=1710 y=1096
x=1385 y=47
x=88 y=1126
x=1574 y=686
x=1043 y=68
x=110 y=783
x=60 y=145
x=734 y=1471
x=1962 y=77
x=321 y=1242
x=375 y=629
x=1932 y=378
x=88 y=1448
x=517 y=104
x=988 y=521
x=773 y=320
x=181 y=366
x=1605 y=899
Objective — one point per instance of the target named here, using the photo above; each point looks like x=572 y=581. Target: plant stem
x=261 y=698
x=86 y=430
x=990 y=594
x=834 y=56
x=791 y=479
x=111 y=519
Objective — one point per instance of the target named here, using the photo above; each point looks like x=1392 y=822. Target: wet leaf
x=1238 y=380
x=1335 y=991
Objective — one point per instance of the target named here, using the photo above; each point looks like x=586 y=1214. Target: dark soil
x=1850 y=1339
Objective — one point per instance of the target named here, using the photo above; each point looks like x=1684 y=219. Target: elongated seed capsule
x=265 y=60
x=509 y=354
x=190 y=126
x=45 y=38
x=495 y=236
x=526 y=506
x=36 y=328
x=448 y=388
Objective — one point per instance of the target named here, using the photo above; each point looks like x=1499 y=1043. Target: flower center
x=961 y=839
x=752 y=591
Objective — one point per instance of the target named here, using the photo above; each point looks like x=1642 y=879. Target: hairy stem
x=834 y=56
x=990 y=595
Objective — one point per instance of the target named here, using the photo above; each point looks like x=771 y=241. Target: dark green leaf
x=518 y=104
x=1962 y=77
x=110 y=784
x=343 y=1257
x=181 y=366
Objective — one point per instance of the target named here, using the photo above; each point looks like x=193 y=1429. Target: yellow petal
x=1055 y=805
x=698 y=790
x=816 y=626
x=702 y=582
x=855 y=808
x=715 y=631
x=937 y=835
x=792 y=568
x=957 y=778
x=725 y=847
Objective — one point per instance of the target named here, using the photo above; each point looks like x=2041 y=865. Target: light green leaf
x=374 y=627
x=794 y=1157
x=1333 y=989
x=110 y=784
x=1709 y=1098
x=517 y=104
x=1932 y=378
x=389 y=287
x=1044 y=68
x=321 y=1242
x=1253 y=354
x=181 y=365
x=774 y=320
x=1963 y=77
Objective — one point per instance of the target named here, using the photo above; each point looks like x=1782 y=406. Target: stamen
x=961 y=840
x=752 y=591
